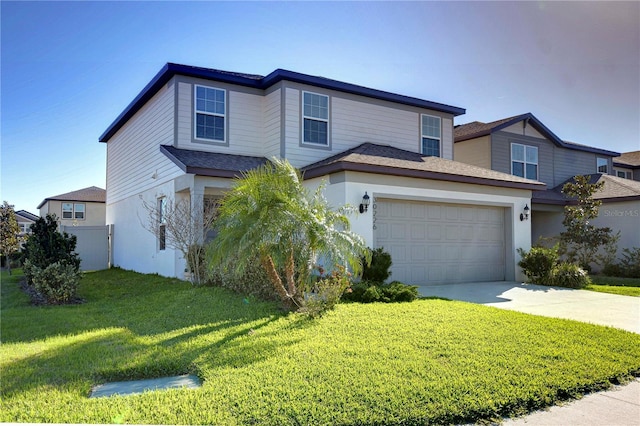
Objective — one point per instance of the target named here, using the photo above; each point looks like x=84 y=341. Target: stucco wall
x=94 y=213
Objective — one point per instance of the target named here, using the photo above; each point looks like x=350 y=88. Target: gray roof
x=628 y=159
x=92 y=194
x=614 y=189
x=387 y=160
x=23 y=214
x=211 y=163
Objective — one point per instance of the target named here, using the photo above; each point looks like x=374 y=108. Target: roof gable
x=260 y=82
x=477 y=129
x=92 y=194
x=628 y=159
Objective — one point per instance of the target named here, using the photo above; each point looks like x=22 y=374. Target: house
x=191 y=130
x=25 y=220
x=523 y=146
x=628 y=165
x=84 y=207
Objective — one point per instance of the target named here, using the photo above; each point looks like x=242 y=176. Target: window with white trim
x=524 y=161
x=315 y=116
x=162 y=223
x=623 y=174
x=431 y=135
x=73 y=211
x=210 y=113
x=602 y=165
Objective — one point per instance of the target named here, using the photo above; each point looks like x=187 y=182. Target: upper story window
x=210 y=113
x=623 y=174
x=431 y=135
x=524 y=161
x=602 y=165
x=73 y=211
x=315 y=114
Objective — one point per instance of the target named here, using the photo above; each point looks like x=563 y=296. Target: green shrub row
x=542 y=266
x=627 y=267
x=369 y=292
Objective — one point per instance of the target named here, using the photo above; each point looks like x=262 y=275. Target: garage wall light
x=364 y=206
x=525 y=213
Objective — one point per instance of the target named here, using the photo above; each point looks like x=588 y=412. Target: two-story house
x=84 y=207
x=191 y=130
x=523 y=146
x=25 y=220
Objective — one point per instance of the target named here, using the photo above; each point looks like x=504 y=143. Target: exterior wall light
x=525 y=213
x=364 y=206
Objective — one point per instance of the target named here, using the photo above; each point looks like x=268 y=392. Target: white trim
x=213 y=114
x=627 y=173
x=424 y=136
x=303 y=142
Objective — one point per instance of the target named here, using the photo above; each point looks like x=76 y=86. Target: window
x=25 y=228
x=315 y=114
x=73 y=211
x=431 y=135
x=210 y=113
x=67 y=210
x=524 y=161
x=623 y=174
x=162 y=223
x=602 y=165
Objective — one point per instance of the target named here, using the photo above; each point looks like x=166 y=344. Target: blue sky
x=69 y=68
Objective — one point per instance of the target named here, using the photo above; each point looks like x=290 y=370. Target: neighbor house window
x=210 y=113
x=623 y=174
x=524 y=161
x=602 y=165
x=162 y=223
x=431 y=135
x=73 y=211
x=315 y=115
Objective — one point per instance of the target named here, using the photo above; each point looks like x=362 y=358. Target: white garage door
x=434 y=243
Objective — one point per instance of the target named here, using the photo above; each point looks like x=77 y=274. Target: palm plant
x=270 y=217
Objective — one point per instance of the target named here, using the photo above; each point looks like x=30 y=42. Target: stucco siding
x=476 y=152
x=94 y=214
x=134 y=160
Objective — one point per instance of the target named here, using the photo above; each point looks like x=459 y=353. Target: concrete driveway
x=581 y=305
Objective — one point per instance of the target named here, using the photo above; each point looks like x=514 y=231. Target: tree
x=271 y=216
x=581 y=240
x=45 y=245
x=9 y=233
x=182 y=225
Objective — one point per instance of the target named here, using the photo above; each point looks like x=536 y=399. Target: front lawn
x=615 y=285
x=430 y=361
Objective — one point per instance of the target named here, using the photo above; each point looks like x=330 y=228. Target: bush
x=538 y=263
x=253 y=281
x=569 y=275
x=370 y=292
x=627 y=267
x=326 y=291
x=378 y=271
x=57 y=283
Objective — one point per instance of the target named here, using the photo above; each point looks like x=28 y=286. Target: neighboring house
x=627 y=165
x=84 y=207
x=523 y=146
x=25 y=220
x=192 y=130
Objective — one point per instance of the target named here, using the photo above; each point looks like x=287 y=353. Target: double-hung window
x=431 y=135
x=162 y=223
x=315 y=115
x=210 y=113
x=73 y=211
x=602 y=165
x=524 y=161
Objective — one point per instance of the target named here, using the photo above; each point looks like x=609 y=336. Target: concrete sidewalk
x=580 y=305
x=618 y=406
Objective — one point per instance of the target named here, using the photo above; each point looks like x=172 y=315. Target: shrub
x=369 y=292
x=57 y=283
x=627 y=267
x=569 y=275
x=326 y=291
x=378 y=271
x=252 y=281
x=538 y=263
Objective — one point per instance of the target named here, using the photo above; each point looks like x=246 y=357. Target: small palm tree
x=270 y=216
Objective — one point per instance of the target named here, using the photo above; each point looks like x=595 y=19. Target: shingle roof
x=26 y=215
x=387 y=160
x=210 y=163
x=259 y=82
x=477 y=129
x=628 y=159
x=614 y=189
x=92 y=194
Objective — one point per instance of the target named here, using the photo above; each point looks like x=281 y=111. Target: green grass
x=615 y=285
x=430 y=361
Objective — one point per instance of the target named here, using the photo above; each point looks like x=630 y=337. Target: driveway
x=581 y=305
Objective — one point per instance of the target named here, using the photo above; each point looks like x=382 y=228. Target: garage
x=441 y=243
